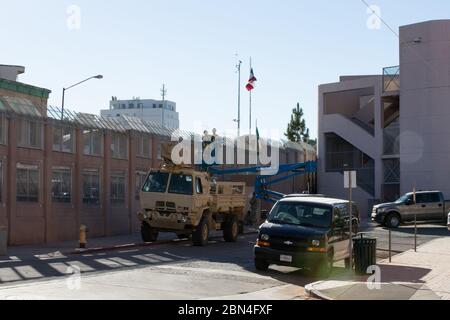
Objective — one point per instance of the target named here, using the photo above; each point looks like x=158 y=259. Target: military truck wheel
x=241 y=227
x=148 y=234
x=231 y=230
x=200 y=236
x=393 y=221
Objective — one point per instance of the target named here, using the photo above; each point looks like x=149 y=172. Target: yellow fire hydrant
x=83 y=236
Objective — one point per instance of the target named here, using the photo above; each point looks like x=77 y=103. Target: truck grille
x=288 y=244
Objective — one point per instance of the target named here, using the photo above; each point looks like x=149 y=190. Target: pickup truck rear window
x=156 y=182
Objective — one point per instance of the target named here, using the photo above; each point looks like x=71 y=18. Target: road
x=170 y=271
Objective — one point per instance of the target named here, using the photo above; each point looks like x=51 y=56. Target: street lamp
x=76 y=84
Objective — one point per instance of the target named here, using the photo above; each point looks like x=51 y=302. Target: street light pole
x=76 y=84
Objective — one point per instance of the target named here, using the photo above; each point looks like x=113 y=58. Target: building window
x=119 y=146
x=91 y=187
x=141 y=176
x=27 y=181
x=131 y=106
x=61 y=185
x=144 y=147
x=118 y=187
x=3 y=129
x=63 y=139
x=29 y=134
x=93 y=142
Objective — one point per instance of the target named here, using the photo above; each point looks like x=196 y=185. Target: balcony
x=391 y=79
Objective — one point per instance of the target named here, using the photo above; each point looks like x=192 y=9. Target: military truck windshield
x=181 y=184
x=156 y=182
x=301 y=214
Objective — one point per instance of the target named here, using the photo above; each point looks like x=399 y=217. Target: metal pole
x=239 y=98
x=62 y=105
x=415 y=220
x=350 y=221
x=250 y=103
x=390 y=245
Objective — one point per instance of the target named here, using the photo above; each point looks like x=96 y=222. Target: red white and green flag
x=251 y=82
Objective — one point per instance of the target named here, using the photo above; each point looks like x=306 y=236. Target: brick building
x=60 y=171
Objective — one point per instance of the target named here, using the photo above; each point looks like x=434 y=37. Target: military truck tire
x=148 y=235
x=231 y=230
x=200 y=236
x=242 y=226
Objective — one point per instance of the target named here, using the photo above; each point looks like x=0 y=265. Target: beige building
x=393 y=128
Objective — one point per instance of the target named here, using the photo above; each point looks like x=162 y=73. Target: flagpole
x=250 y=102
x=239 y=97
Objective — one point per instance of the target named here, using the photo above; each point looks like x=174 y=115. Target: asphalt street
x=172 y=271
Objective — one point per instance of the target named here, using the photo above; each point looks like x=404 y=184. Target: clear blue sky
x=190 y=46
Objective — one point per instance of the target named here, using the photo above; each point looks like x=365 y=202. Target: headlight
x=265 y=237
x=315 y=243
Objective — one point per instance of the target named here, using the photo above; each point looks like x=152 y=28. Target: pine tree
x=297 y=130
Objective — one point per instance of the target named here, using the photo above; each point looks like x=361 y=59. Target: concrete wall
x=425 y=106
x=336 y=120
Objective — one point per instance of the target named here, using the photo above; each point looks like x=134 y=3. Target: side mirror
x=409 y=202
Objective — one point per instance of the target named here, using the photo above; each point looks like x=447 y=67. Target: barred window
x=119 y=146
x=118 y=187
x=141 y=176
x=93 y=142
x=62 y=185
x=29 y=134
x=27 y=183
x=144 y=147
x=63 y=139
x=91 y=187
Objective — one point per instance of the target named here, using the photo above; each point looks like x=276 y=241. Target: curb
x=137 y=245
x=311 y=291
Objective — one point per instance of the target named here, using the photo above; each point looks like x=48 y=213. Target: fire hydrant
x=83 y=236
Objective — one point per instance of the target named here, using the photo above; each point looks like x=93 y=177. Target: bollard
x=390 y=246
x=83 y=236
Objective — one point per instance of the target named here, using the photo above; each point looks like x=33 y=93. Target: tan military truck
x=188 y=203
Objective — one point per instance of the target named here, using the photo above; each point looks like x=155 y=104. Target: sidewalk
x=424 y=275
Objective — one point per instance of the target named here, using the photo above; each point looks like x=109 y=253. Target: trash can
x=365 y=253
x=3 y=241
